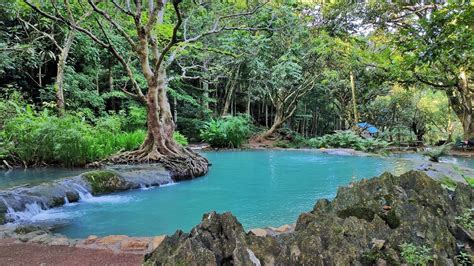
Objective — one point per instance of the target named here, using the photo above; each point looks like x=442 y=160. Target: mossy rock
x=104 y=181
x=358 y=212
x=448 y=183
x=23 y=230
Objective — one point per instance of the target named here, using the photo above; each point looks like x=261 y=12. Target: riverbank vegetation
x=83 y=81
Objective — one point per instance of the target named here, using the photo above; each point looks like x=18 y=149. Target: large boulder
x=365 y=224
x=218 y=240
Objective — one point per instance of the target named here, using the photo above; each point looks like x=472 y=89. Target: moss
x=391 y=218
x=104 y=181
x=23 y=230
x=359 y=212
x=470 y=181
x=2 y=218
x=55 y=202
x=388 y=199
x=448 y=183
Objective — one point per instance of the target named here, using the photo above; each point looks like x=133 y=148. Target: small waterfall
x=31 y=210
x=28 y=204
x=83 y=193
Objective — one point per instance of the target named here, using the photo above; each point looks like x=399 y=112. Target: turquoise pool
x=262 y=188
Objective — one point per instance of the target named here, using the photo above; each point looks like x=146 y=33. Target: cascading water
x=26 y=204
x=23 y=208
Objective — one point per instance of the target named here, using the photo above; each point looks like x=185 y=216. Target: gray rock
x=364 y=225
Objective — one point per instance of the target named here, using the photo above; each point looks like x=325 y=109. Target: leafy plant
x=448 y=183
x=41 y=138
x=466 y=219
x=463 y=258
x=415 y=255
x=227 y=132
x=347 y=139
x=436 y=153
x=469 y=180
x=180 y=138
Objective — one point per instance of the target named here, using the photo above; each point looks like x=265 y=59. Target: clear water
x=34 y=176
x=459 y=160
x=262 y=188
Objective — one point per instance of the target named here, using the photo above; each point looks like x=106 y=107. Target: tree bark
x=276 y=124
x=229 y=92
x=159 y=145
x=460 y=100
x=59 y=83
x=280 y=118
x=354 y=102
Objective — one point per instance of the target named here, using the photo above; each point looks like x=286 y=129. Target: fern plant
x=227 y=132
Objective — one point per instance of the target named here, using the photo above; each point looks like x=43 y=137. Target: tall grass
x=41 y=138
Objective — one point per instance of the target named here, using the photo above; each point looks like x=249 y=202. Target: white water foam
x=144 y=187
x=31 y=209
x=108 y=199
x=35 y=212
x=171 y=183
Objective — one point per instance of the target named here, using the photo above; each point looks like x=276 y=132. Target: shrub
x=347 y=139
x=135 y=118
x=415 y=255
x=41 y=138
x=10 y=107
x=470 y=181
x=227 y=132
x=436 y=153
x=448 y=183
x=180 y=138
x=466 y=219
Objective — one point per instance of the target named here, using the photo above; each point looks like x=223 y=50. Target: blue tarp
x=366 y=126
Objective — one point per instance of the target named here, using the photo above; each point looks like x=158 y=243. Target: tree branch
x=115 y=24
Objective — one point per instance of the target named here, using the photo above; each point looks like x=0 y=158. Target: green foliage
x=347 y=139
x=448 y=183
x=103 y=181
x=291 y=139
x=436 y=153
x=464 y=258
x=134 y=119
x=415 y=255
x=180 y=138
x=466 y=219
x=469 y=180
x=42 y=138
x=10 y=106
x=227 y=132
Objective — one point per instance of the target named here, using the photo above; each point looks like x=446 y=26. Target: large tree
x=433 y=44
x=155 y=42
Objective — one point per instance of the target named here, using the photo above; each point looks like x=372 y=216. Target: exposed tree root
x=183 y=165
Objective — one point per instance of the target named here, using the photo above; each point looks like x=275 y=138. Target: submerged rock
x=365 y=224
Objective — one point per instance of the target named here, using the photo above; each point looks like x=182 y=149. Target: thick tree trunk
x=280 y=118
x=276 y=125
x=159 y=145
x=59 y=84
x=460 y=100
